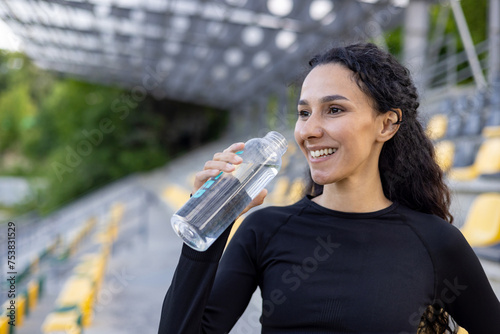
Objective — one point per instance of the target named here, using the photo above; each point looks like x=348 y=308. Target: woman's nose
x=312 y=127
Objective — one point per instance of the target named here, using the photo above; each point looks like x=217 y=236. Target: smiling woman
x=369 y=249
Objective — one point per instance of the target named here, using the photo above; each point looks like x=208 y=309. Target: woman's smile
x=317 y=154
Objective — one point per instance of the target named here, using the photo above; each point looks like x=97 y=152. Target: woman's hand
x=225 y=162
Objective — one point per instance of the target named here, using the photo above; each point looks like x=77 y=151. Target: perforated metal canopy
x=212 y=52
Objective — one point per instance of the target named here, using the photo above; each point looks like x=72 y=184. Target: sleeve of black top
x=235 y=282
x=187 y=296
x=207 y=296
x=463 y=287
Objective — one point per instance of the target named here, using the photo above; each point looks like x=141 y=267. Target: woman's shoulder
x=261 y=224
x=268 y=218
x=436 y=233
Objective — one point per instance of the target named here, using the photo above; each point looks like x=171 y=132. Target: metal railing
x=452 y=70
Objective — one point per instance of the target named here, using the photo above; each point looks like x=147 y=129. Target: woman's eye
x=334 y=110
x=303 y=113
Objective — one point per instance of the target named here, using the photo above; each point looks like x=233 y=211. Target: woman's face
x=337 y=127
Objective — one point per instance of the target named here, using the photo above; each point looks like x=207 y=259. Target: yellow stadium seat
x=175 y=196
x=117 y=211
x=491 y=131
x=4 y=325
x=234 y=228
x=482 y=226
x=463 y=173
x=436 y=128
x=279 y=192
x=445 y=151
x=33 y=289
x=487 y=162
x=488 y=159
x=296 y=190
x=93 y=267
x=68 y=322
x=79 y=292
x=20 y=310
x=285 y=160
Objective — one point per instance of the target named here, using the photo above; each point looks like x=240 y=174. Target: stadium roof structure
x=213 y=52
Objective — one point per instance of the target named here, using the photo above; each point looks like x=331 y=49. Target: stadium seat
x=78 y=293
x=465 y=152
x=280 y=191
x=445 y=150
x=175 y=196
x=492 y=127
x=454 y=126
x=474 y=121
x=296 y=190
x=486 y=163
x=68 y=322
x=436 y=127
x=482 y=226
x=4 y=324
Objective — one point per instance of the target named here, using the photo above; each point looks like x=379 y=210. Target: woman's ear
x=389 y=124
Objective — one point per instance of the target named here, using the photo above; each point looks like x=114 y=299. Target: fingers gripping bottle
x=222 y=198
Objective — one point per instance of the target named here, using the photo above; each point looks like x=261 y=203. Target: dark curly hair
x=408 y=169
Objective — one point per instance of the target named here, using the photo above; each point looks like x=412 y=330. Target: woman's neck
x=351 y=196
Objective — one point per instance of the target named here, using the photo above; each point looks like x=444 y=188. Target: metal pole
x=451 y=55
x=463 y=29
x=494 y=41
x=415 y=42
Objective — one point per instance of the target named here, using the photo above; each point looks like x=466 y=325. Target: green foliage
x=394 y=41
x=79 y=136
x=476 y=15
x=17 y=116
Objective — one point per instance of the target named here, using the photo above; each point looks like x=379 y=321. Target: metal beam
x=468 y=44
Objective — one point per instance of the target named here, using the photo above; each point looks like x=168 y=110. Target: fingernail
x=238 y=159
x=229 y=166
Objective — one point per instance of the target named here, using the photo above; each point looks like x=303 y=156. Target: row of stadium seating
x=467 y=116
x=466 y=136
x=74 y=306
x=466 y=133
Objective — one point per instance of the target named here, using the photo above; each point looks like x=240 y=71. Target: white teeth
x=322 y=152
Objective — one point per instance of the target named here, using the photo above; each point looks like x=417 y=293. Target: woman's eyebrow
x=325 y=99
x=330 y=98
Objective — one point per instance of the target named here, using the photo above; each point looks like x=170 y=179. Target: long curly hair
x=408 y=169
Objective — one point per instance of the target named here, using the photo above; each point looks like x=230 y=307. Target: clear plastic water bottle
x=222 y=198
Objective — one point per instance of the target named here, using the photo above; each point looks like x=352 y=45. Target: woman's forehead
x=331 y=79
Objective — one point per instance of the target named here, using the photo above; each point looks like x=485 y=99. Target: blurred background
x=109 y=107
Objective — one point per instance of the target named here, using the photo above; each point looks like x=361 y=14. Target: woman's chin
x=321 y=179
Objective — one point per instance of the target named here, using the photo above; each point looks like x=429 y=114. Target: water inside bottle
x=223 y=209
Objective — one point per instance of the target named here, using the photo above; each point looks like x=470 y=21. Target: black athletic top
x=325 y=271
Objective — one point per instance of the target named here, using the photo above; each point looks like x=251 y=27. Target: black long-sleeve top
x=325 y=271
